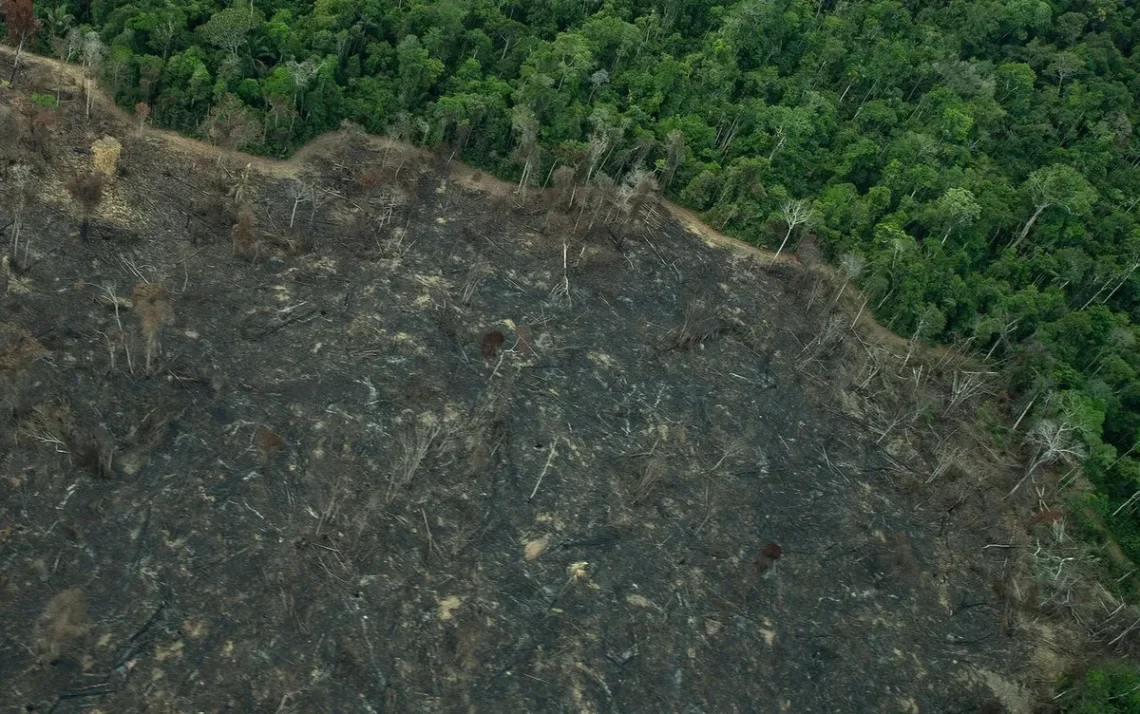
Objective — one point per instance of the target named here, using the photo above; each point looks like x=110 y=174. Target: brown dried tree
x=152 y=304
x=87 y=190
x=142 y=111
x=23 y=25
x=246 y=244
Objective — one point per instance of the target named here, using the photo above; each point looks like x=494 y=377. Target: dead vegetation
x=152 y=304
x=928 y=410
x=63 y=620
x=86 y=189
x=459 y=445
x=18 y=350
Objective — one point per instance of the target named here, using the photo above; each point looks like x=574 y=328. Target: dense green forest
x=971 y=164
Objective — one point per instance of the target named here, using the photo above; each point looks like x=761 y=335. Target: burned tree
x=23 y=25
x=19 y=174
x=246 y=244
x=39 y=121
x=58 y=22
x=152 y=304
x=86 y=189
x=10 y=127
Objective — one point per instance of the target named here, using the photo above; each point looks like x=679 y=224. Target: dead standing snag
x=794 y=213
x=19 y=175
x=246 y=244
x=154 y=310
x=87 y=191
x=142 y=111
x=23 y=25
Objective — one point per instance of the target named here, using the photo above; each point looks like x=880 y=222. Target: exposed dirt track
x=423 y=449
x=288 y=168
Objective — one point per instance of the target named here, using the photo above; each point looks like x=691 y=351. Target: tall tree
x=1055 y=185
x=526 y=147
x=93 y=53
x=229 y=28
x=959 y=209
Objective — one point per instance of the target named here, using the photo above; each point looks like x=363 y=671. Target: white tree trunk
x=16 y=62
x=1028 y=226
x=784 y=242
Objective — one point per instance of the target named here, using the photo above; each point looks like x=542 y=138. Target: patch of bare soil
x=362 y=437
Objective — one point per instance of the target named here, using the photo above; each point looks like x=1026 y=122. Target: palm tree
x=57 y=20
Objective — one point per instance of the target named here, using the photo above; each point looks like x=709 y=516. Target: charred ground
x=407 y=442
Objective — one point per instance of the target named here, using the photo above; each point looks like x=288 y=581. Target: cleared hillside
x=367 y=431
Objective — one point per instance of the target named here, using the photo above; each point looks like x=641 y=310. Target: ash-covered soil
x=429 y=450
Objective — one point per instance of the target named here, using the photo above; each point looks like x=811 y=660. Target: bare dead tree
x=399 y=132
x=317 y=198
x=20 y=174
x=152 y=304
x=18 y=350
x=850 y=268
x=562 y=289
x=93 y=52
x=526 y=152
x=639 y=185
x=245 y=240
x=301 y=73
x=39 y=121
x=23 y=25
x=1053 y=440
x=299 y=192
x=565 y=186
x=809 y=254
x=142 y=111
x=967 y=385
x=304 y=192
x=66 y=48
x=601 y=192
x=795 y=213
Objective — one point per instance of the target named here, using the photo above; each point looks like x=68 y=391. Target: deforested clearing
x=366 y=431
